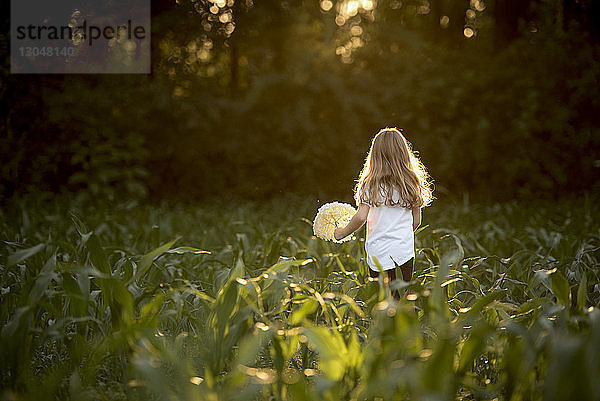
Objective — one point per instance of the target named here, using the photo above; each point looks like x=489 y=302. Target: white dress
x=390 y=236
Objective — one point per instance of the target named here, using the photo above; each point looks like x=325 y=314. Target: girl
x=392 y=188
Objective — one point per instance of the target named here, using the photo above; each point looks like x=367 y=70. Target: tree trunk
x=507 y=14
x=234 y=68
x=455 y=10
x=436 y=15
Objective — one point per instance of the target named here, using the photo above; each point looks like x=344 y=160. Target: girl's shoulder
x=392 y=199
x=385 y=196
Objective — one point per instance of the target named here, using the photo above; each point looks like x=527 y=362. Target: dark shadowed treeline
x=249 y=100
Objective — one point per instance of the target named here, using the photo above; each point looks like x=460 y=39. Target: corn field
x=239 y=301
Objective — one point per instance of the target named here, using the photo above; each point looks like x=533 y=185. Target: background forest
x=255 y=99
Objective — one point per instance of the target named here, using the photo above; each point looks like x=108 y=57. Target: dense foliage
x=254 y=112
x=240 y=301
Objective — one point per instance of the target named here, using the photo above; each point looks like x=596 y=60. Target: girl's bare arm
x=416 y=213
x=357 y=222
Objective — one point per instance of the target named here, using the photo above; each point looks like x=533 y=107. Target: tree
x=506 y=15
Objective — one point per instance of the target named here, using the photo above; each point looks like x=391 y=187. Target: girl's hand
x=359 y=218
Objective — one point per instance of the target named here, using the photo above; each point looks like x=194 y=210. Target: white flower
x=329 y=217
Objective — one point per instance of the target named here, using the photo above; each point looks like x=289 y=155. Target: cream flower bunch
x=329 y=217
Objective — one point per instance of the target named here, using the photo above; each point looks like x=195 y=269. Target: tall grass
x=239 y=301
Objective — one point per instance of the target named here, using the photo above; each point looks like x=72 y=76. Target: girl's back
x=390 y=236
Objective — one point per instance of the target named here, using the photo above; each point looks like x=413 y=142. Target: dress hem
x=384 y=268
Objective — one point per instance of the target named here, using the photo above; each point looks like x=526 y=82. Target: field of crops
x=238 y=301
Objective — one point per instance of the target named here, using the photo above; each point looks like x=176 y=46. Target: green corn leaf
x=42 y=280
x=71 y=287
x=532 y=305
x=473 y=345
x=151 y=309
x=331 y=348
x=480 y=304
x=98 y=257
x=187 y=249
x=439 y=373
x=251 y=346
x=15 y=321
x=77 y=298
x=23 y=254
x=450 y=281
x=560 y=288
x=308 y=308
x=150 y=257
x=582 y=293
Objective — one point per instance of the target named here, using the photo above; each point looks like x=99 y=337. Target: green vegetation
x=124 y=303
x=508 y=112
x=107 y=296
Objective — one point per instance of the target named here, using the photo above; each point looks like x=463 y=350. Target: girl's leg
x=390 y=273
x=392 y=276
x=407 y=269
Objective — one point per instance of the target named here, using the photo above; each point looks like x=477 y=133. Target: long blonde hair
x=392 y=168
